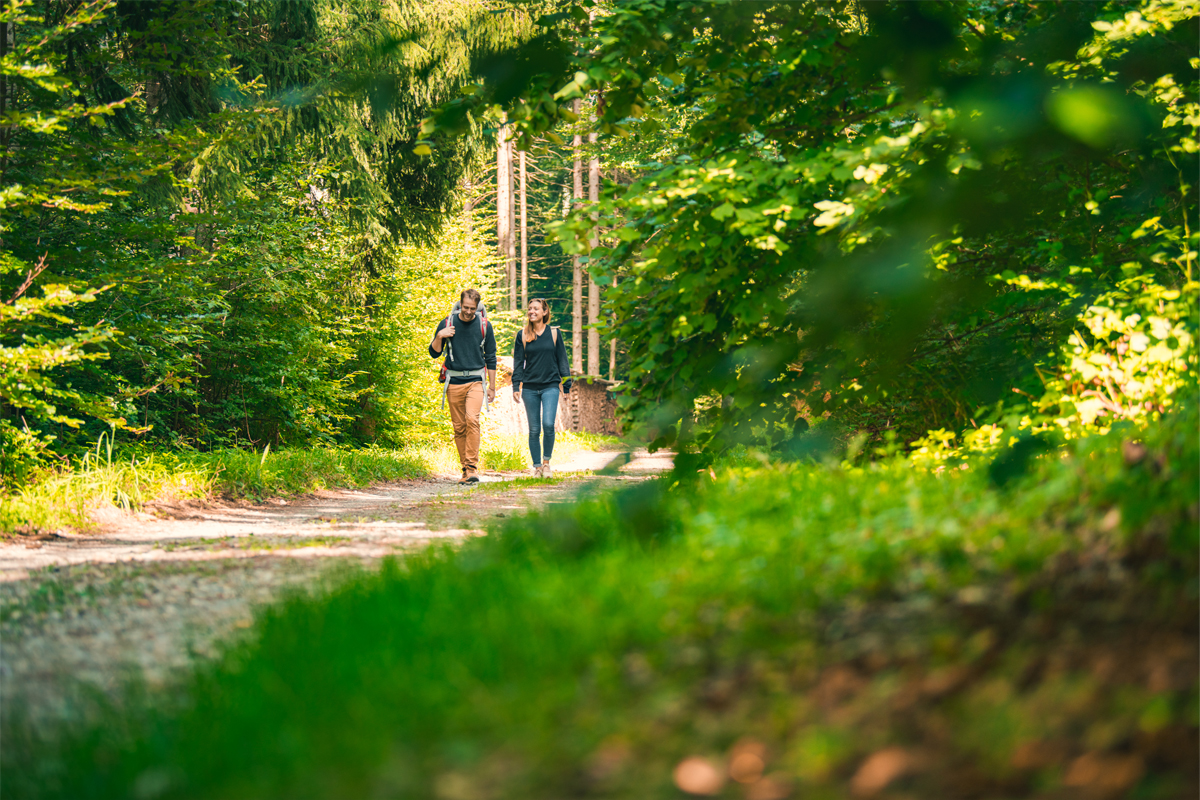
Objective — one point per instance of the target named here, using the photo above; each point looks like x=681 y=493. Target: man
x=472 y=352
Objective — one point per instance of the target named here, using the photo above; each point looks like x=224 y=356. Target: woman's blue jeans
x=541 y=407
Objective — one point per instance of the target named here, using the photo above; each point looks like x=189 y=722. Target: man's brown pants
x=465 y=401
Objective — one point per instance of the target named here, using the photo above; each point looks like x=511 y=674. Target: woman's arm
x=564 y=369
x=518 y=363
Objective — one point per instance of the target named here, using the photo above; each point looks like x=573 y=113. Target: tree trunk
x=510 y=255
x=503 y=231
x=467 y=206
x=8 y=31
x=4 y=49
x=524 y=241
x=576 y=271
x=612 y=349
x=593 y=345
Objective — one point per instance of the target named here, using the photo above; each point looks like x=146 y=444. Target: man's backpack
x=483 y=326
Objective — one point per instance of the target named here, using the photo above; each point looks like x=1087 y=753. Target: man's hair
x=471 y=293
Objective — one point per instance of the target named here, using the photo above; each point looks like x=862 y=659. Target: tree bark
x=467 y=207
x=510 y=255
x=524 y=241
x=593 y=345
x=503 y=182
x=8 y=32
x=612 y=349
x=576 y=269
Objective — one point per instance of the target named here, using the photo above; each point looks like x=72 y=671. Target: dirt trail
x=154 y=590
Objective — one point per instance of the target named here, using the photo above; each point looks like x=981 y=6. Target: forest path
x=141 y=599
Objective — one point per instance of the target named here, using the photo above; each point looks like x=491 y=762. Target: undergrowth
x=775 y=631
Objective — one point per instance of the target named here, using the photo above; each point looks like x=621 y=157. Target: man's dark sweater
x=465 y=353
x=540 y=363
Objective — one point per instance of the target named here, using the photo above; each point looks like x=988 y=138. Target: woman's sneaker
x=536 y=472
x=545 y=469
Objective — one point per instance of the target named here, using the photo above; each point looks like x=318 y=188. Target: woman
x=539 y=363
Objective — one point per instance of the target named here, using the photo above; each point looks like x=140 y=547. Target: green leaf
x=723 y=211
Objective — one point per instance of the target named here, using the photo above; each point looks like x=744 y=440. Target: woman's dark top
x=540 y=363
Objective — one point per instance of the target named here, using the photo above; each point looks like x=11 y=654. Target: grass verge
x=799 y=631
x=66 y=499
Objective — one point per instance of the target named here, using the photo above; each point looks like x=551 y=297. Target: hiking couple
x=539 y=364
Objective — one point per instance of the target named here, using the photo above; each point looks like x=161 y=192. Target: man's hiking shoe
x=471 y=477
x=463 y=479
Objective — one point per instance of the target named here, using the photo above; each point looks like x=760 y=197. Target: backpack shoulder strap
x=554 y=334
x=483 y=323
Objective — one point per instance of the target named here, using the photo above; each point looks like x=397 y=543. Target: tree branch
x=38 y=269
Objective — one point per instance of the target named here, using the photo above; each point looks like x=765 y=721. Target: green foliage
x=1137 y=358
x=28 y=365
x=37 y=337
x=798 y=606
x=418 y=291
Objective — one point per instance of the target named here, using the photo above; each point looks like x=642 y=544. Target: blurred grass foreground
x=813 y=631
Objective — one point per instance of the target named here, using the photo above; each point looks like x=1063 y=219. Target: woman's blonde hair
x=528 y=334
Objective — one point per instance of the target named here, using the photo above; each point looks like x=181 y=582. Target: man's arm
x=489 y=360
x=442 y=332
x=489 y=348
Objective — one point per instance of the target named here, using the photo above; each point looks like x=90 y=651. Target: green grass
x=972 y=641
x=265 y=543
x=529 y=482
